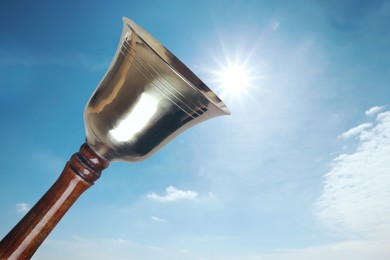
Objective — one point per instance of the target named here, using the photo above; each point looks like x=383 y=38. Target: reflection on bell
x=138 y=118
x=146 y=98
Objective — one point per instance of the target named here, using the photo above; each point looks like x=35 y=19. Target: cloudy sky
x=300 y=170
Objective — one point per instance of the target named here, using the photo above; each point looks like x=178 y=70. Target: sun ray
x=234 y=78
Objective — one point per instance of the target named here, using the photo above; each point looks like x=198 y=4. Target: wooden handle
x=79 y=174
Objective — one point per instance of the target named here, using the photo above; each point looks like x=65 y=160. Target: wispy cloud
x=352 y=249
x=47 y=161
x=374 y=110
x=157 y=219
x=125 y=249
x=42 y=58
x=356 y=130
x=173 y=194
x=275 y=25
x=22 y=207
x=356 y=192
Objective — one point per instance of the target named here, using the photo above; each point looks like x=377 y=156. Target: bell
x=147 y=97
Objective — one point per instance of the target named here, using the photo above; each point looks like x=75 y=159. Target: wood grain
x=80 y=173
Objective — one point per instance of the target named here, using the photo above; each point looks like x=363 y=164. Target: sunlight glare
x=233 y=80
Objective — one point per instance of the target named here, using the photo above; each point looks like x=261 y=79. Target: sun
x=233 y=80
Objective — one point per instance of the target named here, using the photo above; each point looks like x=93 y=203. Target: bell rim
x=177 y=65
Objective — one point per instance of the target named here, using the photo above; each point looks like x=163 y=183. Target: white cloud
x=32 y=57
x=275 y=25
x=374 y=110
x=356 y=130
x=118 y=249
x=173 y=194
x=157 y=219
x=353 y=249
x=22 y=207
x=356 y=191
x=48 y=161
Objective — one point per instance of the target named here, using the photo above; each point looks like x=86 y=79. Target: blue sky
x=300 y=169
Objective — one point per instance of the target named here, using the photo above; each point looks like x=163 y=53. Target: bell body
x=146 y=98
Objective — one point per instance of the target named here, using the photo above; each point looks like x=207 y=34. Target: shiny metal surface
x=146 y=98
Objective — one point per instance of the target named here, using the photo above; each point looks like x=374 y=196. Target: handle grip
x=80 y=173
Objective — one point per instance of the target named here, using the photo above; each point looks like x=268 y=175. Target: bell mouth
x=176 y=65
